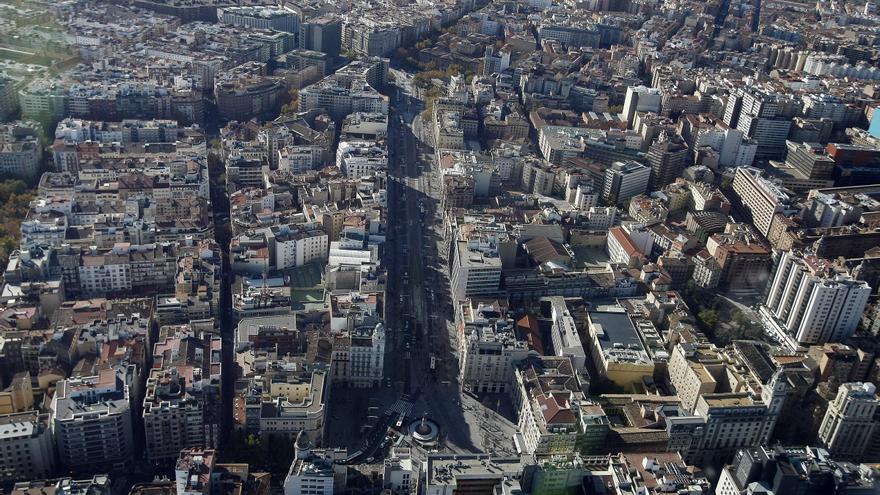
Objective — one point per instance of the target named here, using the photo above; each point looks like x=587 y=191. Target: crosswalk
x=401 y=407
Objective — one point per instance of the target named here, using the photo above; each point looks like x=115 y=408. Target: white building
x=300 y=159
x=564 y=334
x=358 y=159
x=848 y=427
x=399 y=473
x=260 y=17
x=624 y=180
x=27 y=449
x=296 y=247
x=91 y=422
x=489 y=351
x=629 y=246
x=734 y=149
x=641 y=99
x=104 y=274
x=312 y=473
x=599 y=218
x=474 y=272
x=366 y=356
x=811 y=303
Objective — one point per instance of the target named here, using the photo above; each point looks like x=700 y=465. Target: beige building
x=548 y=397
x=699 y=369
x=847 y=429
x=293 y=403
x=18 y=396
x=759 y=198
x=617 y=350
x=448 y=132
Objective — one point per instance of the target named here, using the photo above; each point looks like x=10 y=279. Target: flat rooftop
x=448 y=469
x=617 y=328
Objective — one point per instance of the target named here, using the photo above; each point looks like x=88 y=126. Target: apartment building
x=624 y=180
x=293 y=247
x=27 y=447
x=314 y=471
x=666 y=157
x=759 y=198
x=733 y=421
x=475 y=272
x=300 y=159
x=538 y=176
x=98 y=484
x=182 y=393
x=127 y=268
x=744 y=258
x=8 y=97
x=358 y=159
x=246 y=92
x=792 y=469
x=564 y=333
x=448 y=130
x=322 y=34
x=850 y=422
x=196 y=289
x=353 y=88
x=284 y=401
x=260 y=17
x=489 y=351
x=547 y=395
x=470 y=473
x=641 y=99
x=20 y=151
x=194 y=472
x=92 y=423
x=811 y=301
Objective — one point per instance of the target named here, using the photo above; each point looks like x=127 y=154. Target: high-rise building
x=8 y=98
x=760 y=115
x=850 y=421
x=641 y=99
x=474 y=272
x=758 y=198
x=322 y=34
x=811 y=302
x=91 y=421
x=810 y=160
x=182 y=394
x=623 y=180
x=489 y=350
x=666 y=157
